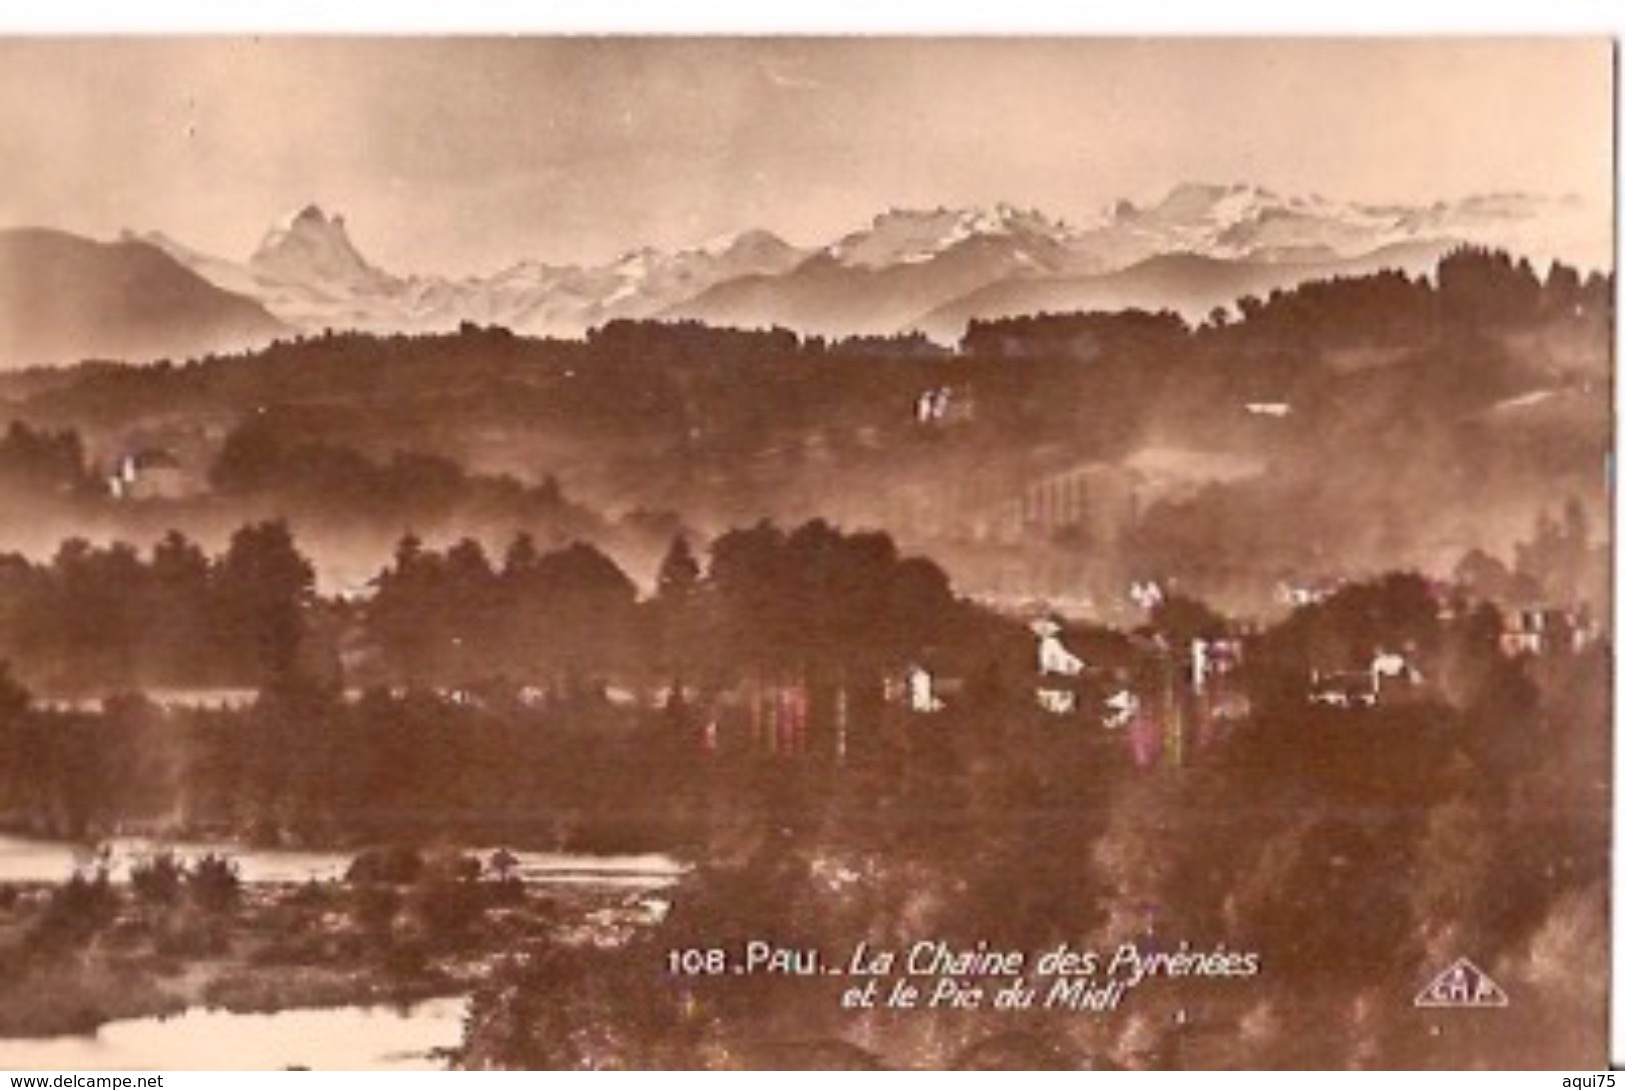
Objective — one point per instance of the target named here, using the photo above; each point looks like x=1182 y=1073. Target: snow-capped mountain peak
x=1203 y=201
x=309 y=247
x=1192 y=214
x=912 y=236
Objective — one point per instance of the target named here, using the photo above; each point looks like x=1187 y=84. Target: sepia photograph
x=713 y=552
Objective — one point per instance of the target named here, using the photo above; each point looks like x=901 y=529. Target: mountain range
x=1199 y=247
x=307 y=271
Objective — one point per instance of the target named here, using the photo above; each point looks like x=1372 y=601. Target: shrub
x=157 y=881
x=214 y=884
x=375 y=908
x=448 y=907
x=79 y=908
x=396 y=865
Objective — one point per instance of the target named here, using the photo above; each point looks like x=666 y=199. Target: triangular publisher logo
x=1462 y=985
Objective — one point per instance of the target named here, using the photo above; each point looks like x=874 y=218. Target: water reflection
x=335 y=1038
x=28 y=860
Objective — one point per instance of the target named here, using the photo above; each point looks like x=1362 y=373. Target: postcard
x=839 y=553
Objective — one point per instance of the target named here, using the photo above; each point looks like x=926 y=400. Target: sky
x=467 y=155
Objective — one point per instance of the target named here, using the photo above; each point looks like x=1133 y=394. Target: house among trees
x=945 y=406
x=1057 y=668
x=151 y=473
x=1390 y=677
x=1545 y=631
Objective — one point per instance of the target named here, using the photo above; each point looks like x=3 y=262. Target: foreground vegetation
x=401 y=927
x=1357 y=853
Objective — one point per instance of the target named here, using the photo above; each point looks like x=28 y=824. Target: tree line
x=97 y=619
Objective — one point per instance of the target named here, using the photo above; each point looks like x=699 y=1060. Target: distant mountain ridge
x=908 y=269
x=1190 y=284
x=64 y=298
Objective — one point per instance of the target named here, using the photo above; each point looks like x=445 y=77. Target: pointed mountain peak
x=310 y=219
x=309 y=246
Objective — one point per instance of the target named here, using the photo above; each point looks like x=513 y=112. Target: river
x=331 y=1039
x=24 y=859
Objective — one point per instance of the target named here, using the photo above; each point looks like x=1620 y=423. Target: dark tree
x=263 y=587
